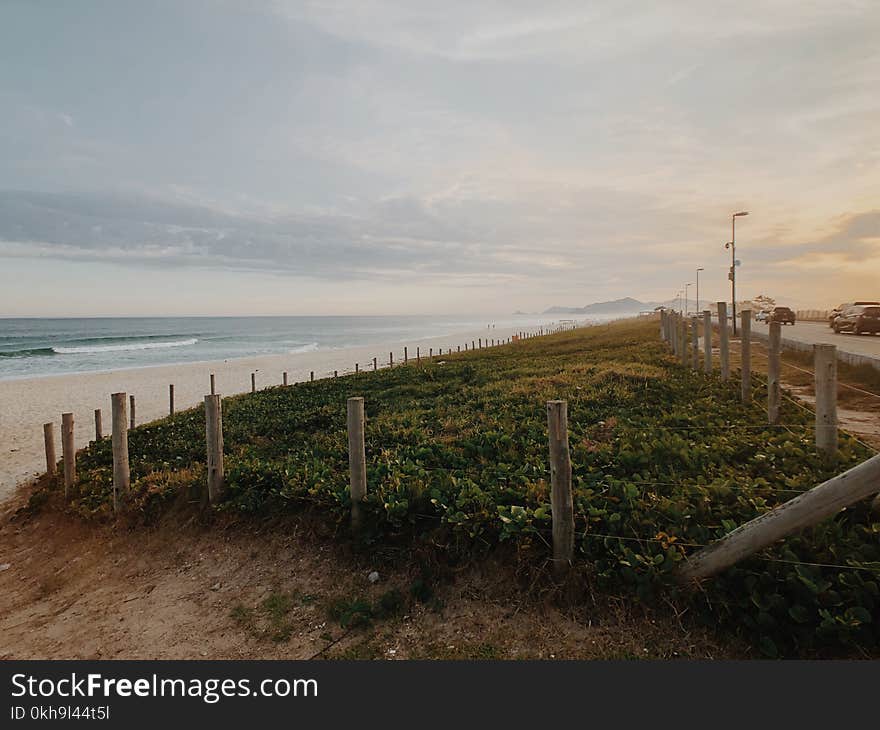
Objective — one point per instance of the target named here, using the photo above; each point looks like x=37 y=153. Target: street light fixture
x=732 y=275
x=698 y=288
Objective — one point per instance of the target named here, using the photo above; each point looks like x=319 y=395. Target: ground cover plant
x=664 y=460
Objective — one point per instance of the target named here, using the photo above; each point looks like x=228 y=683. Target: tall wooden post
x=171 y=399
x=561 y=505
x=253 y=382
x=746 y=354
x=212 y=383
x=695 y=343
x=357 y=459
x=391 y=359
x=49 y=443
x=774 y=365
x=214 y=443
x=357 y=368
x=284 y=378
x=99 y=428
x=825 y=366
x=707 y=341
x=68 y=451
x=663 y=325
x=405 y=356
x=418 y=354
x=311 y=376
x=683 y=328
x=119 y=444
x=131 y=413
x=375 y=364
x=724 y=339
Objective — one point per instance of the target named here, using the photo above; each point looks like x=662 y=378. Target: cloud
x=576 y=149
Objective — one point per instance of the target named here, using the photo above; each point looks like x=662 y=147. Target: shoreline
x=27 y=403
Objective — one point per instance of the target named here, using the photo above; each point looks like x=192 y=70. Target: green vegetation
x=664 y=460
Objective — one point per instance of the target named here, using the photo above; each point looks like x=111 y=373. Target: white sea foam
x=311 y=347
x=88 y=349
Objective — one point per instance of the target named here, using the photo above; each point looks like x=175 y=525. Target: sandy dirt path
x=185 y=590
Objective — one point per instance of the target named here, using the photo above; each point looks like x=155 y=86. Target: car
x=763 y=315
x=835 y=313
x=858 y=319
x=783 y=315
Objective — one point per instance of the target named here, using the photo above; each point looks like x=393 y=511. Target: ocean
x=32 y=347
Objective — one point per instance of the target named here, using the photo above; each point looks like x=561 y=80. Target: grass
x=664 y=460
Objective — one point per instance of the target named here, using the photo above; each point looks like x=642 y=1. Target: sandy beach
x=26 y=404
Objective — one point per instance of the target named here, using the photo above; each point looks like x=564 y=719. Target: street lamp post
x=686 y=286
x=732 y=276
x=698 y=289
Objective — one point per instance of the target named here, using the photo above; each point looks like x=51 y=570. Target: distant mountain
x=627 y=305
x=618 y=306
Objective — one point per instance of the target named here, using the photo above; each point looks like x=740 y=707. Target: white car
x=763 y=315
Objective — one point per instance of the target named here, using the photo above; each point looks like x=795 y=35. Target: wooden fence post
x=391 y=359
x=99 y=428
x=562 y=509
x=825 y=366
x=253 y=382
x=418 y=354
x=683 y=355
x=335 y=373
x=357 y=459
x=171 y=399
x=707 y=341
x=805 y=510
x=214 y=443
x=284 y=378
x=357 y=368
x=212 y=383
x=49 y=443
x=312 y=376
x=405 y=356
x=695 y=343
x=724 y=339
x=663 y=324
x=131 y=408
x=119 y=444
x=745 y=351
x=375 y=365
x=68 y=451
x=774 y=357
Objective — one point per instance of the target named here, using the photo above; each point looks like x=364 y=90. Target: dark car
x=858 y=319
x=836 y=312
x=783 y=315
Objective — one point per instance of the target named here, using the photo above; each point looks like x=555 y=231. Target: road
x=820 y=332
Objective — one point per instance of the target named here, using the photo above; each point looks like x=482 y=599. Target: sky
x=404 y=156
